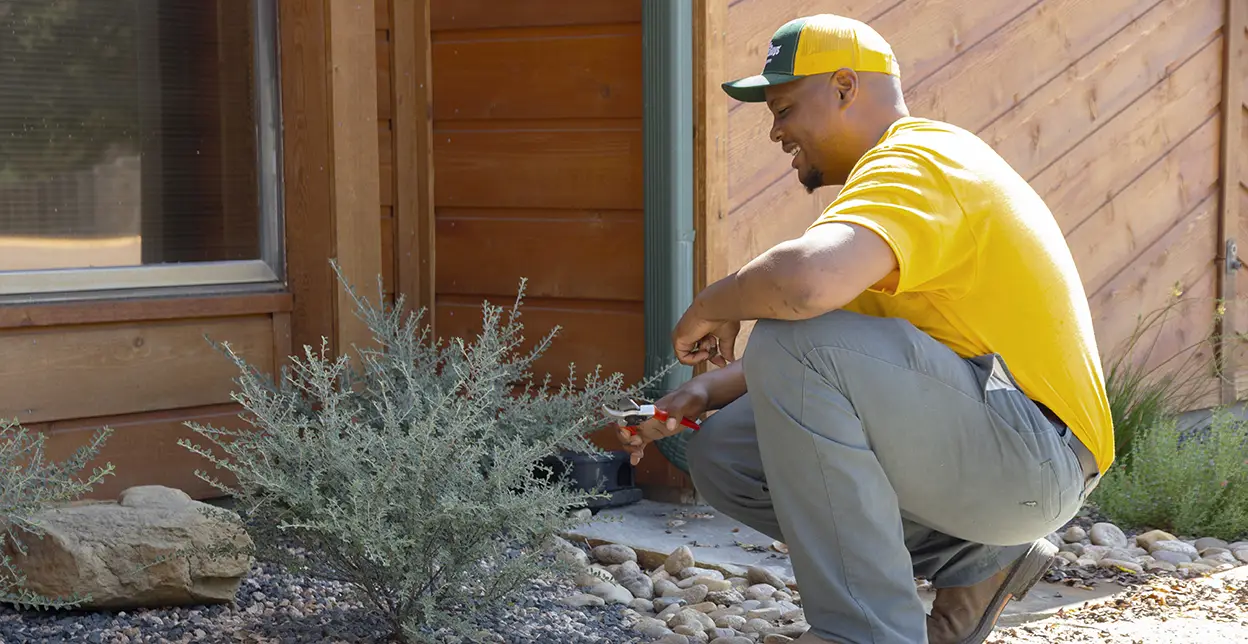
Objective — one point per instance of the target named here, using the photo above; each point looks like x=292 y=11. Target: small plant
x=28 y=484
x=1193 y=482
x=415 y=475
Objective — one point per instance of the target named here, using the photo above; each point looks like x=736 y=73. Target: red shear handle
x=659 y=414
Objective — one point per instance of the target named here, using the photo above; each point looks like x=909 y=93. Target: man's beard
x=812 y=180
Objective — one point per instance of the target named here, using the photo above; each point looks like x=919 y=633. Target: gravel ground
x=1163 y=611
x=275 y=607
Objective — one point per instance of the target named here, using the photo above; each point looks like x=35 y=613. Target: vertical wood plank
x=356 y=186
x=710 y=144
x=307 y=166
x=413 y=142
x=1228 y=217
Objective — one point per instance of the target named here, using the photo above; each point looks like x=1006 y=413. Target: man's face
x=807 y=121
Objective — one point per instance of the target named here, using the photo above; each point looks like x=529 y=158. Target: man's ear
x=845 y=84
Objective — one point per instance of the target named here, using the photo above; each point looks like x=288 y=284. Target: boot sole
x=1028 y=570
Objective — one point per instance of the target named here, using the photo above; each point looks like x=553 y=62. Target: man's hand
x=696 y=339
x=690 y=400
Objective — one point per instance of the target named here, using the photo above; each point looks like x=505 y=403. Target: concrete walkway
x=654 y=530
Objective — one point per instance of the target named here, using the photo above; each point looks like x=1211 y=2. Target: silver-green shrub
x=412 y=470
x=30 y=483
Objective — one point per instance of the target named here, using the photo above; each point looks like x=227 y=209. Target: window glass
x=128 y=133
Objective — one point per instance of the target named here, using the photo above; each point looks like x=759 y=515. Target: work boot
x=967 y=615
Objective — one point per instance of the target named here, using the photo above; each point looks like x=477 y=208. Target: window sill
x=136 y=309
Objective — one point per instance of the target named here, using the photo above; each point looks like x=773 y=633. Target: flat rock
x=1170 y=557
x=107 y=550
x=1108 y=534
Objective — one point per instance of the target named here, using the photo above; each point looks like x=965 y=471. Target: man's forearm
x=772 y=286
x=723 y=385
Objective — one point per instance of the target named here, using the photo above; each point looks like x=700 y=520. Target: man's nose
x=776 y=132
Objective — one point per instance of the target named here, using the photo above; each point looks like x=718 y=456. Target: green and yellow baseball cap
x=815 y=45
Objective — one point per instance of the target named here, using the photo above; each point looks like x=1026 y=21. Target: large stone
x=680 y=559
x=110 y=551
x=1174 y=546
x=1169 y=557
x=1147 y=539
x=614 y=554
x=1208 y=542
x=1242 y=555
x=639 y=585
x=1074 y=534
x=1108 y=534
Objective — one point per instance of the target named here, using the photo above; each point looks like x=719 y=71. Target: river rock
x=735 y=622
x=669 y=612
x=717 y=633
x=1242 y=555
x=1195 y=569
x=1169 y=557
x=665 y=588
x=1108 y=534
x=567 y=553
x=1219 y=563
x=1208 y=542
x=643 y=606
x=1154 y=566
x=777 y=638
x=680 y=559
x=1076 y=549
x=759 y=575
x=612 y=593
x=1069 y=557
x=611 y=553
x=760 y=592
x=770 y=614
x=726 y=597
x=732 y=640
x=1174 y=545
x=1074 y=534
x=694 y=571
x=582 y=600
x=639 y=585
x=651 y=627
x=106 y=550
x=673 y=638
x=693 y=594
x=1147 y=539
x=760 y=626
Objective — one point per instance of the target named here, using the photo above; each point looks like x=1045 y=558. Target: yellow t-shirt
x=983 y=266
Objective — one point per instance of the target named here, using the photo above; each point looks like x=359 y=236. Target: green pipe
x=667 y=76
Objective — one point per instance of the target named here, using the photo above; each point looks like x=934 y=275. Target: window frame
x=217 y=277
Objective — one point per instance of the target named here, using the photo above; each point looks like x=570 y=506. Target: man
x=922 y=392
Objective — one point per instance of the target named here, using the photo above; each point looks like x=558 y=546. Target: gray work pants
x=878 y=455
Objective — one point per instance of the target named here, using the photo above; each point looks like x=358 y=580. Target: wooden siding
x=537 y=173
x=1112 y=111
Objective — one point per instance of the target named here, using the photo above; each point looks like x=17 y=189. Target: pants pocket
x=1051 y=501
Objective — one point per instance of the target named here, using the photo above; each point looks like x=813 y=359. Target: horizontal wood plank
x=925 y=34
x=553 y=73
x=141 y=309
x=1110 y=79
x=102 y=370
x=580 y=169
x=592 y=333
x=1099 y=166
x=144 y=450
x=1138 y=216
x=562 y=254
x=492 y=14
x=1020 y=58
x=759 y=224
x=1175 y=268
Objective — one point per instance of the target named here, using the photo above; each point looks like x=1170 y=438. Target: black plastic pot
x=608 y=473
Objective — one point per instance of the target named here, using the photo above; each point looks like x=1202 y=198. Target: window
x=138 y=145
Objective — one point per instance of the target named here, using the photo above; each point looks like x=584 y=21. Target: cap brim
x=753 y=89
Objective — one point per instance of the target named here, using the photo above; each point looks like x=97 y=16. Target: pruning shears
x=636 y=413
